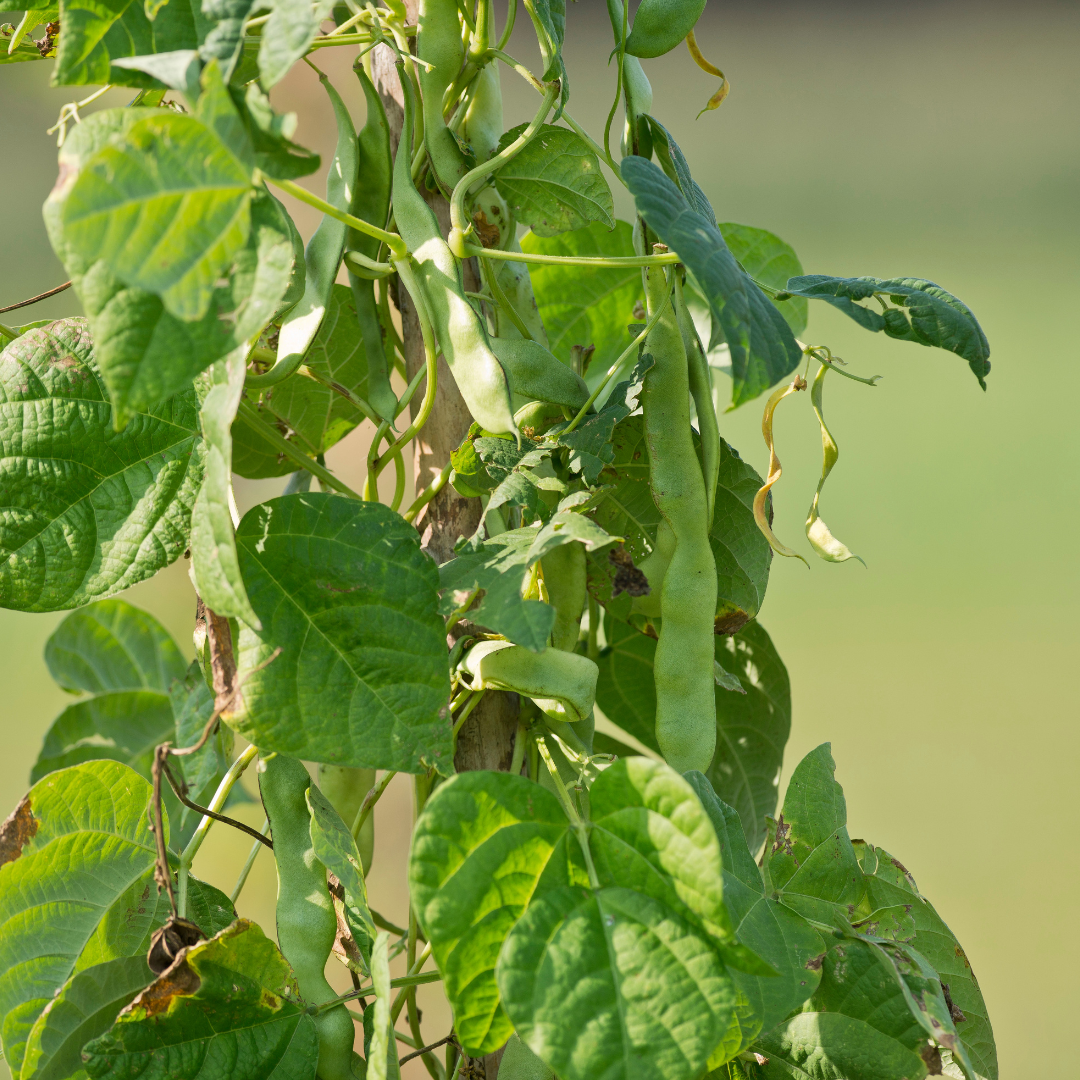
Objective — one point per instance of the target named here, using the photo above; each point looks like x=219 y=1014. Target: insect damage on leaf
x=628 y=578
x=177 y=980
x=17 y=831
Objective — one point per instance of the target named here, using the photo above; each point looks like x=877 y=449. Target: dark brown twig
x=427 y=1049
x=162 y=871
x=35 y=299
x=182 y=796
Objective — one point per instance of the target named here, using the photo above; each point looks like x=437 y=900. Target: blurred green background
x=930 y=139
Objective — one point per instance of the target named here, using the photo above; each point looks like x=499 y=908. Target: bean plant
x=556 y=639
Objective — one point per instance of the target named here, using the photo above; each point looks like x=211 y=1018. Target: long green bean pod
x=306 y=922
x=371 y=201
x=683 y=667
x=564 y=576
x=701 y=392
x=458 y=329
x=322 y=256
x=438 y=41
x=345 y=788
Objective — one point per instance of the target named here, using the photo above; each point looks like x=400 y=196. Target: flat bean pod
x=539 y=375
x=460 y=333
x=322 y=257
x=438 y=41
x=683 y=672
x=306 y=922
x=565 y=578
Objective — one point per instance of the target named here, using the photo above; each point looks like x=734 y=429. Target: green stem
x=461 y=189
x=370 y=799
x=492 y=278
x=241 y=881
x=395 y=984
x=371 y=268
x=580 y=829
x=352 y=398
x=511 y=17
x=617 y=365
x=391 y=240
x=429 y=493
x=8 y=332
x=228 y=782
x=610 y=262
x=283 y=446
x=467 y=711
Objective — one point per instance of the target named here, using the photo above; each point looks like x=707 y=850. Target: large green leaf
x=97 y=32
x=84 y=1008
x=343 y=589
x=742 y=555
x=554 y=185
x=226 y=1009
x=166 y=206
x=809 y=853
x=498 y=567
x=112 y=645
x=616 y=984
x=889 y=885
x=766 y=258
x=777 y=934
x=594 y=308
x=214 y=562
x=77 y=887
x=478 y=852
x=924 y=313
x=763 y=348
x=89 y=510
x=144 y=352
x=318 y=415
x=625 y=691
x=751 y=728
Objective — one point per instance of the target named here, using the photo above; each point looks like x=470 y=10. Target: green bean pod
x=346 y=787
x=539 y=375
x=371 y=202
x=683 y=667
x=482 y=126
x=701 y=392
x=322 y=257
x=564 y=577
x=306 y=922
x=460 y=333
x=562 y=684
x=438 y=41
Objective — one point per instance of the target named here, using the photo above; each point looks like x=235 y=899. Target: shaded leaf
x=763 y=349
x=554 y=184
x=763 y=924
x=569 y=526
x=924 y=313
x=498 y=566
x=166 y=207
x=84 y=1007
x=858 y=1024
x=625 y=691
x=586 y=309
x=112 y=645
x=118 y=509
x=343 y=589
x=478 y=852
x=271 y=136
x=673 y=162
x=227 y=1006
x=76 y=887
x=613 y=983
x=752 y=729
x=889 y=885
x=291 y=29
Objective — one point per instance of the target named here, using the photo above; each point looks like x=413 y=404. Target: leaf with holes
x=89 y=510
x=343 y=589
x=77 y=887
x=227 y=1007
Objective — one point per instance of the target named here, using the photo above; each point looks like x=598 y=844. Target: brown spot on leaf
x=931 y=1056
x=17 y=831
x=628 y=578
x=731 y=622
x=489 y=234
x=781 y=840
x=955 y=1011
x=815 y=962
x=178 y=980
